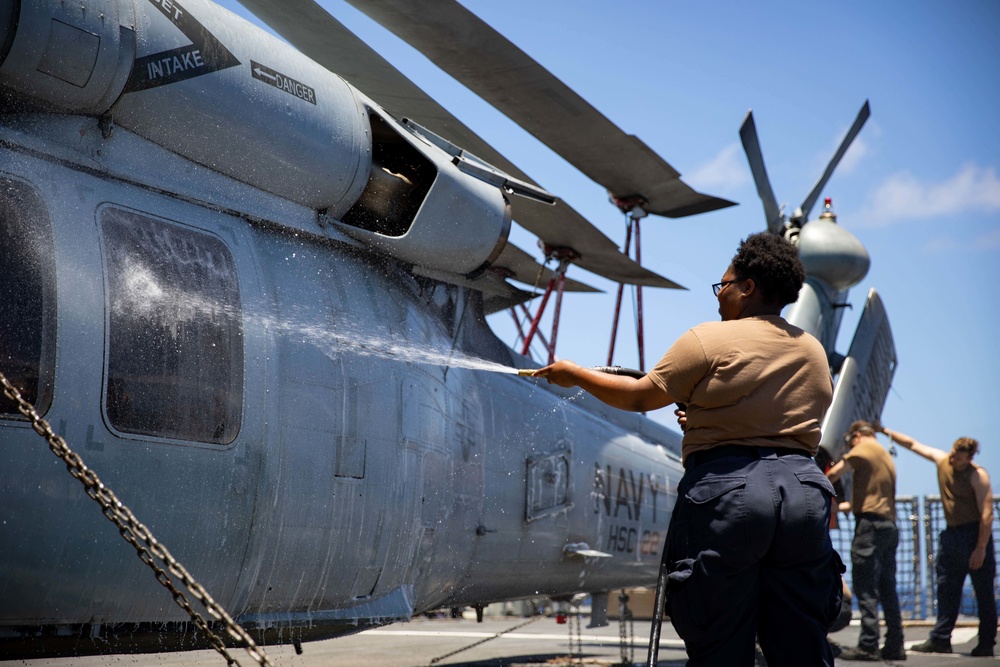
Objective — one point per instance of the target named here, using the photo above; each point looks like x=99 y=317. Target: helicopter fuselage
x=326 y=438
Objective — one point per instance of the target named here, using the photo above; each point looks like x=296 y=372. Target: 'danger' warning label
x=282 y=82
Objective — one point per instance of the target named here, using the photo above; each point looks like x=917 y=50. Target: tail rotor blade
x=751 y=146
x=814 y=194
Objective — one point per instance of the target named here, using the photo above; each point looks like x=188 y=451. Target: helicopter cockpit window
x=27 y=296
x=400 y=179
x=175 y=348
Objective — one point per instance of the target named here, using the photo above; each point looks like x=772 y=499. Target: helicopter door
x=173 y=395
x=442 y=428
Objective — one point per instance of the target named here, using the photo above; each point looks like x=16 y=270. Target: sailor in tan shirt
x=965 y=545
x=748 y=551
x=873 y=550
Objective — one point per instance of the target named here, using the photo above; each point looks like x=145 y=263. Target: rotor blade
x=460 y=43
x=494 y=303
x=751 y=146
x=318 y=35
x=814 y=194
x=560 y=226
x=498 y=294
x=518 y=265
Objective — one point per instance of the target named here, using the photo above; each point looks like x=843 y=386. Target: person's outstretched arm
x=618 y=391
x=929 y=453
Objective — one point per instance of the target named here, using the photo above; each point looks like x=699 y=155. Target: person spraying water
x=748 y=552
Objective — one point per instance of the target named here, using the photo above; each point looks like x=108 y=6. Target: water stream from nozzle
x=383 y=344
x=405 y=351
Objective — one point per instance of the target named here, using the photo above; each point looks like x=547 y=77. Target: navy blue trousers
x=873 y=566
x=955 y=547
x=749 y=556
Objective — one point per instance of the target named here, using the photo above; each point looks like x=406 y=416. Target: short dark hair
x=774 y=265
x=863 y=427
x=964 y=444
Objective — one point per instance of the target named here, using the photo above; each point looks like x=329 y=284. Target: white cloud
x=903 y=197
x=988 y=242
x=726 y=172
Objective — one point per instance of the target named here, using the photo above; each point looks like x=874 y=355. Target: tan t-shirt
x=874 y=479
x=957 y=495
x=756 y=381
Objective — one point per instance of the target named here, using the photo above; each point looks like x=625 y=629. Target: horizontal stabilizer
x=864 y=378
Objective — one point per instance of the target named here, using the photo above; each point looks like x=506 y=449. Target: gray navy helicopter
x=252 y=297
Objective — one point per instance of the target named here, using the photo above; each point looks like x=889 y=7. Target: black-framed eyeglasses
x=717 y=287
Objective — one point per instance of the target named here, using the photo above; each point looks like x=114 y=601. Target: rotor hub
x=832 y=254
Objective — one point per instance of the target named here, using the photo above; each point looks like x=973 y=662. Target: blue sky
x=920 y=187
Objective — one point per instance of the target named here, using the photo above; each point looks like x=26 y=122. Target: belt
x=963 y=526
x=695 y=459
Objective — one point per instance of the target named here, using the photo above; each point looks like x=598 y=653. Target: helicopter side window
x=27 y=296
x=175 y=334
x=547 y=484
x=400 y=179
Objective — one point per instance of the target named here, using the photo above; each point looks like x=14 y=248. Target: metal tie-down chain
x=483 y=641
x=136 y=534
x=575 y=651
x=626 y=629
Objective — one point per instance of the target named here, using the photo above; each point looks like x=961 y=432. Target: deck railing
x=916 y=581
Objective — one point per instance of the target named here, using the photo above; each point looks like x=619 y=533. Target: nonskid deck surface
x=542 y=642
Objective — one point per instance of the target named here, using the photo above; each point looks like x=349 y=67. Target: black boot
x=983 y=650
x=895 y=653
x=858 y=653
x=933 y=645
